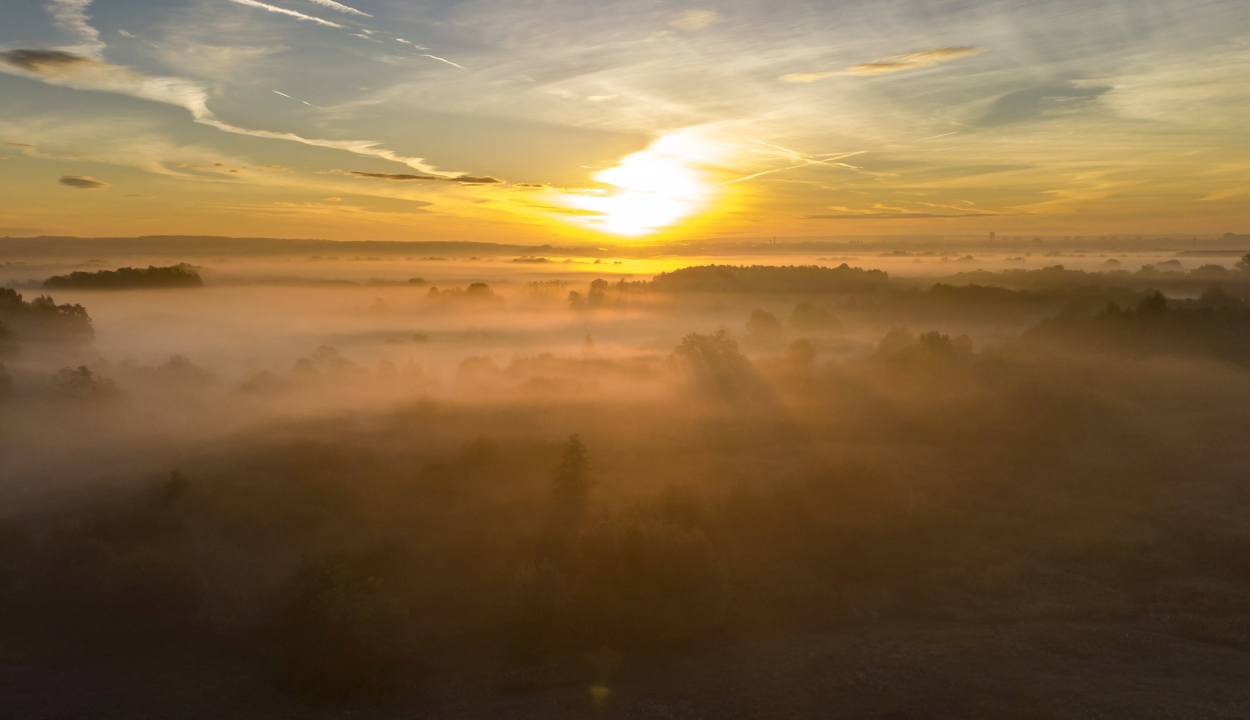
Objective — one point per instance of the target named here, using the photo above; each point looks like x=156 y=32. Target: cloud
x=894 y=216
x=341 y=8
x=82 y=182
x=293 y=13
x=893 y=64
x=911 y=61
x=58 y=67
x=465 y=179
x=695 y=19
x=46 y=62
x=1039 y=103
x=71 y=16
x=17 y=144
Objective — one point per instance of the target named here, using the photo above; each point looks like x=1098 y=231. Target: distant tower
x=992 y=237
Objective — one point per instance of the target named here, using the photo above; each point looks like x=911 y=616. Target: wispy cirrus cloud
x=59 y=67
x=71 y=16
x=695 y=19
x=892 y=64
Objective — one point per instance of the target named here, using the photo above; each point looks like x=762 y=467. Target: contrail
x=341 y=8
x=292 y=13
x=298 y=100
x=808 y=160
x=435 y=57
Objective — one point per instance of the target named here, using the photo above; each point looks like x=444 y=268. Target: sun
x=655 y=188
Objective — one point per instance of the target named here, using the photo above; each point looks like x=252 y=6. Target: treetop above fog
x=42 y=318
x=174 y=276
x=769 y=279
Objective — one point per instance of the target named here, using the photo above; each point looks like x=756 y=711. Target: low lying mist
x=530 y=477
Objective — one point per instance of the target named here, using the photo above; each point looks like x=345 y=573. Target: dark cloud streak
x=42 y=61
x=403 y=177
x=82 y=182
x=895 y=216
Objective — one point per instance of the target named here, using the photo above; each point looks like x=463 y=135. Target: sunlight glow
x=656 y=188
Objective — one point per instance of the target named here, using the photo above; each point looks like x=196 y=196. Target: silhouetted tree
x=769 y=279
x=937 y=342
x=807 y=317
x=571 y=487
x=1210 y=271
x=42 y=318
x=182 y=275
x=1153 y=304
x=896 y=340
x=598 y=293
x=763 y=324
x=1214 y=296
x=342 y=630
x=82 y=384
x=715 y=368
x=173 y=489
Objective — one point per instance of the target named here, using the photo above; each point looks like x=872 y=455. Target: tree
x=598 y=292
x=83 y=384
x=1214 y=296
x=571 y=487
x=716 y=369
x=1244 y=263
x=763 y=324
x=807 y=317
x=1153 y=304
x=182 y=275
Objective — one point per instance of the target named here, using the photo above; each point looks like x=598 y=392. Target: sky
x=644 y=121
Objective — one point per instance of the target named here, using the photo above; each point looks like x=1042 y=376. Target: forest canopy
x=128 y=278
x=769 y=279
